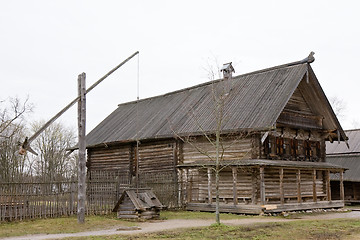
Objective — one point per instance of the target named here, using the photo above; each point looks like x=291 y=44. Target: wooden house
x=349 y=158
x=275 y=125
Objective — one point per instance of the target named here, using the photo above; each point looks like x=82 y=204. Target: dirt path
x=156 y=226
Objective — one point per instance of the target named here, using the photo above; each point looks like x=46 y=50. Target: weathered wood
x=298 y=185
x=225 y=208
x=262 y=186
x=282 y=186
x=82 y=148
x=328 y=186
x=254 y=186
x=305 y=206
x=342 y=193
x=235 y=194
x=314 y=186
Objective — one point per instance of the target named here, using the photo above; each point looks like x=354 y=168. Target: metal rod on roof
x=26 y=145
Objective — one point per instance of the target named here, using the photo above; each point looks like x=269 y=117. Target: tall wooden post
x=328 y=186
x=235 y=195
x=262 y=186
x=342 y=193
x=298 y=185
x=281 y=173
x=314 y=186
x=82 y=149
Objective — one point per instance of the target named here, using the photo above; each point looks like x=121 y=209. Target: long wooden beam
x=26 y=145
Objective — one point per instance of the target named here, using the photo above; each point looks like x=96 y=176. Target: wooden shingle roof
x=254 y=101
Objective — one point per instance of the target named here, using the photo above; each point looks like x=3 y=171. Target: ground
x=160 y=225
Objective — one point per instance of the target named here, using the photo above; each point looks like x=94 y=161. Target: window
x=292 y=149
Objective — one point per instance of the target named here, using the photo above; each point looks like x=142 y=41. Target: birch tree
x=220 y=94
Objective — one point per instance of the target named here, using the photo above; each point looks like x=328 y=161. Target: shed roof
x=351 y=162
x=254 y=101
x=340 y=154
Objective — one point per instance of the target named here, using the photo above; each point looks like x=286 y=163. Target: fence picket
x=29 y=200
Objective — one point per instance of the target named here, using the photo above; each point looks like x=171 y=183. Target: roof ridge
x=306 y=60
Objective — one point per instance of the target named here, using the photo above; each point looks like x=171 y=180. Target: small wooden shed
x=138 y=204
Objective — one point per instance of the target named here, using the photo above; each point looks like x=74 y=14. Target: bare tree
x=339 y=106
x=13 y=167
x=53 y=162
x=12 y=112
x=218 y=141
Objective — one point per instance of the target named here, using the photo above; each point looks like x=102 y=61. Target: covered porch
x=259 y=186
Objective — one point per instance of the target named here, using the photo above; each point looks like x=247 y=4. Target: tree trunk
x=217 y=170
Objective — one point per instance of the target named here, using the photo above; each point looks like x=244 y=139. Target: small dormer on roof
x=227 y=70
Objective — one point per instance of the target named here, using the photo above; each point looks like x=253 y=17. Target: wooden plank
x=305 y=206
x=235 y=196
x=225 y=208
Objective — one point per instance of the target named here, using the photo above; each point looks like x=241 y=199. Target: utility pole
x=82 y=149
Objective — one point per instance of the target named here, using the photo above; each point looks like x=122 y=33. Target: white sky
x=44 y=45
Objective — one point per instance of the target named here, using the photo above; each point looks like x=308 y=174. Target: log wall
x=201 y=149
x=115 y=158
x=157 y=157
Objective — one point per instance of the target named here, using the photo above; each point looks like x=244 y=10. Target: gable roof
x=254 y=101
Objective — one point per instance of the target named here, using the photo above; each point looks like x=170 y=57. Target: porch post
x=235 y=197
x=262 y=186
x=254 y=186
x=328 y=187
x=314 y=186
x=342 y=194
x=298 y=185
x=281 y=185
x=209 y=186
x=180 y=187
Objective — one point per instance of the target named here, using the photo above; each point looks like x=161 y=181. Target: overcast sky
x=44 y=45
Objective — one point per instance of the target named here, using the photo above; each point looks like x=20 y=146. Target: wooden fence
x=31 y=200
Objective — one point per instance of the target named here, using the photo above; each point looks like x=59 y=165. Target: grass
x=297 y=230
x=70 y=225
x=60 y=225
